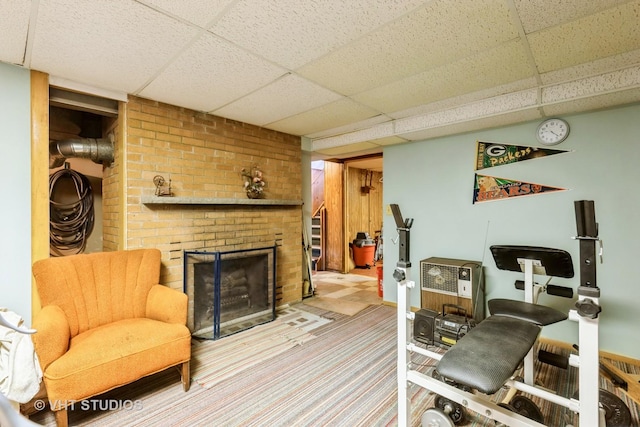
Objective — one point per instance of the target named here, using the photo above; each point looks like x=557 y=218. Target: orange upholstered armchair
x=106 y=322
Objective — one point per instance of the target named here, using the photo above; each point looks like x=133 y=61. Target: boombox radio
x=444 y=329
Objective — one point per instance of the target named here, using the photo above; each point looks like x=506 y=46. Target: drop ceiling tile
x=291 y=32
x=348 y=149
x=382 y=130
x=474 y=125
x=390 y=140
x=335 y=114
x=536 y=15
x=592 y=86
x=15 y=26
x=285 y=97
x=455 y=59
x=351 y=127
x=599 y=102
x=506 y=63
x=493 y=107
x=210 y=74
x=442 y=32
x=468 y=98
x=199 y=12
x=112 y=44
x=611 y=32
x=600 y=66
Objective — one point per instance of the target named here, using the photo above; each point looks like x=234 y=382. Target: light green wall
x=15 y=179
x=432 y=182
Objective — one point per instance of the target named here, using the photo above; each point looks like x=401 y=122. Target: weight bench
x=486 y=358
x=488 y=355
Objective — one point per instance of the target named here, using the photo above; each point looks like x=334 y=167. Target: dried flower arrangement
x=253 y=182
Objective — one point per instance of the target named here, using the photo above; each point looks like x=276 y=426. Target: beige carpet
x=214 y=361
x=346 y=376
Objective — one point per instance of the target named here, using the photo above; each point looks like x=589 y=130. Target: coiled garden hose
x=71 y=222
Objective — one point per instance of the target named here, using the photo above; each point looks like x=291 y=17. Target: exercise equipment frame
x=587 y=404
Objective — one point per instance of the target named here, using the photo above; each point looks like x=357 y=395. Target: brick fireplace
x=203 y=156
x=229 y=291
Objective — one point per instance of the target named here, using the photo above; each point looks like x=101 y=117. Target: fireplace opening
x=229 y=291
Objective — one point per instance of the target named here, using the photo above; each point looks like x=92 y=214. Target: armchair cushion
x=167 y=305
x=115 y=354
x=53 y=329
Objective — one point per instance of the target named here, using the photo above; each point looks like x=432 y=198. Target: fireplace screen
x=229 y=291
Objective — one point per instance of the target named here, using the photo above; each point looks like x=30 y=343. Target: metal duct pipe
x=97 y=150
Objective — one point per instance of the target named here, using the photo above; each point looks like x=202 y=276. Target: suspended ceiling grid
x=351 y=76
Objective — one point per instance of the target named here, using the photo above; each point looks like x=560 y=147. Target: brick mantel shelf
x=159 y=200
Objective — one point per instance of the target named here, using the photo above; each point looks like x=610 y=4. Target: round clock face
x=552 y=131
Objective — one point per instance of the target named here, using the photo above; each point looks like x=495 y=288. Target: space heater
x=452 y=281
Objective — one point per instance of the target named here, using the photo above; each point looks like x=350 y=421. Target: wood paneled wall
x=333 y=191
x=39 y=175
x=364 y=207
x=350 y=209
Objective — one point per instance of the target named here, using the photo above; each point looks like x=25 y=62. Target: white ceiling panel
x=539 y=14
x=504 y=64
x=352 y=127
x=593 y=103
x=390 y=140
x=293 y=32
x=475 y=125
x=358 y=147
x=383 y=130
x=340 y=73
x=417 y=42
x=592 y=68
x=614 y=81
x=117 y=44
x=467 y=98
x=15 y=25
x=337 y=113
x=200 y=12
x=594 y=37
x=490 y=107
x=285 y=97
x=211 y=74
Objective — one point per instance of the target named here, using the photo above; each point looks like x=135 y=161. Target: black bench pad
x=486 y=357
x=535 y=313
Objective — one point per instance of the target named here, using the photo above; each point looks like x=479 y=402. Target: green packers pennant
x=490 y=154
x=488 y=188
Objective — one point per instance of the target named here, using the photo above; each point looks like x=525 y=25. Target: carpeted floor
x=344 y=376
x=215 y=361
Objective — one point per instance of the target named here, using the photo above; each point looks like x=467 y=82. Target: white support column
x=404 y=356
x=528 y=297
x=589 y=373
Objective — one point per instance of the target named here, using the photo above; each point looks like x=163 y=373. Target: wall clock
x=552 y=131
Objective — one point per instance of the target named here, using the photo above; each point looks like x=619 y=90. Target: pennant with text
x=489 y=154
x=488 y=188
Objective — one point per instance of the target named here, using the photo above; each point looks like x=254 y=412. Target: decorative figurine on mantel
x=162 y=187
x=253 y=183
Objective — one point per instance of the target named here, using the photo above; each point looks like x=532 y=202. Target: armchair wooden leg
x=185 y=373
x=62 y=419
